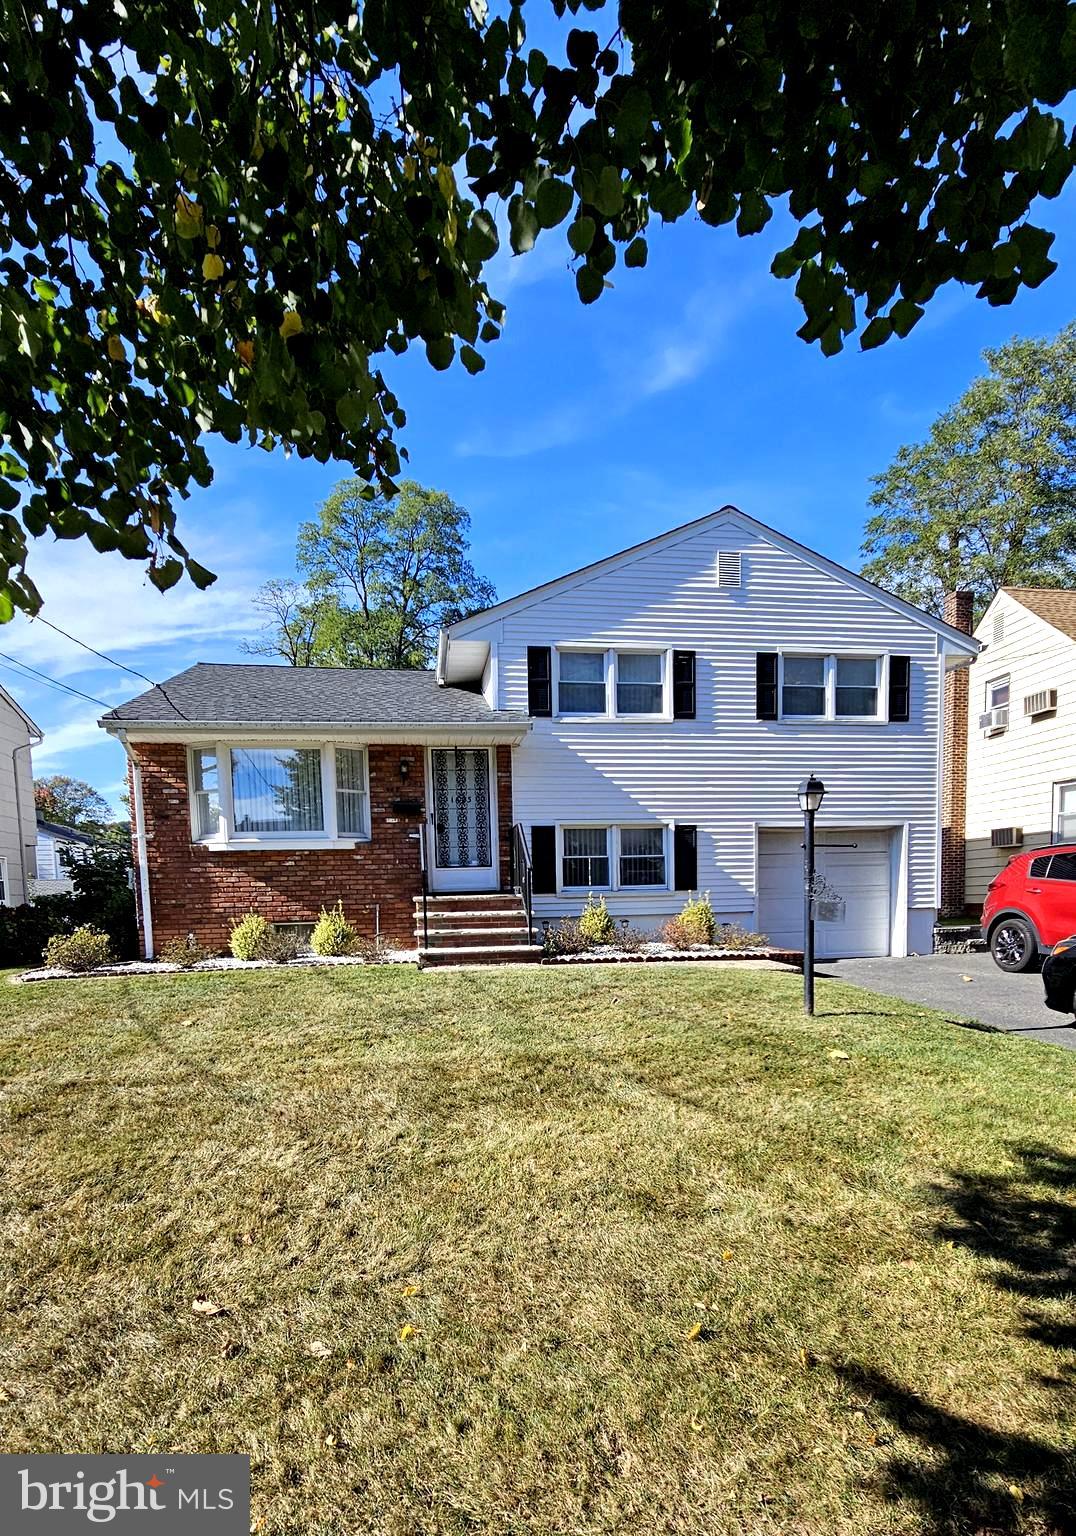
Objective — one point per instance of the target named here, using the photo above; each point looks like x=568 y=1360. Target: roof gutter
x=140 y=845
x=398 y=728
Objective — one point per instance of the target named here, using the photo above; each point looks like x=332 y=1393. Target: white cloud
x=72 y=737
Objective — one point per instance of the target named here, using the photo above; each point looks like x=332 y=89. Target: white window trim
x=1055 y=817
x=613 y=830
x=1002 y=679
x=226 y=841
x=610 y=711
x=829 y=683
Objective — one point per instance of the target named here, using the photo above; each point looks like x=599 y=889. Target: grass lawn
x=545 y=1251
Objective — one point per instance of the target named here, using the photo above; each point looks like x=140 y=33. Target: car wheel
x=1012 y=944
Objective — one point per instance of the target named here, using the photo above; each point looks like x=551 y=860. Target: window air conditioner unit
x=994 y=721
x=1006 y=837
x=1042 y=703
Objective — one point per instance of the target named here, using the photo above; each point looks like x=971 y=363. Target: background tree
x=290 y=618
x=71 y=803
x=989 y=500
x=216 y=219
x=382 y=575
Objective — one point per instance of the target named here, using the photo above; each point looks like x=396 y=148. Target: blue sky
x=683 y=388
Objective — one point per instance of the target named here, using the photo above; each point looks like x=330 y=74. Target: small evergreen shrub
x=185 y=953
x=84 y=950
x=249 y=936
x=698 y=920
x=596 y=923
x=333 y=934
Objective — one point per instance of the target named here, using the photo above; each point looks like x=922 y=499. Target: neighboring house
x=639 y=727
x=52 y=869
x=1021 y=736
x=18 y=734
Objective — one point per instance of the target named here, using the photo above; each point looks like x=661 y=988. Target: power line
x=50 y=681
x=110 y=659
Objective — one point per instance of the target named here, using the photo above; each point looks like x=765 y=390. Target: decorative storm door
x=461 y=831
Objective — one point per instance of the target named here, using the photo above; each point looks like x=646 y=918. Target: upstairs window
x=997 y=693
x=832 y=687
x=582 y=683
x=640 y=687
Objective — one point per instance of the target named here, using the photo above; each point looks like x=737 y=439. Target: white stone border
x=217 y=963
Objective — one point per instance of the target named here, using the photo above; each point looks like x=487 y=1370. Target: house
x=637 y=728
x=56 y=847
x=1020 y=747
x=18 y=734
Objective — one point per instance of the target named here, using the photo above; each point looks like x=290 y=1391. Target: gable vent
x=1042 y=703
x=729 y=568
x=999 y=628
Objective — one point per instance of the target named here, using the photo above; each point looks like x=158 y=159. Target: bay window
x=243 y=796
x=613 y=858
x=828 y=687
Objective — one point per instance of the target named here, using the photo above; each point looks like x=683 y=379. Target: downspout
x=25 y=746
x=140 y=845
x=442 y=657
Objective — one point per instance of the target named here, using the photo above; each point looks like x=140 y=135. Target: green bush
x=25 y=930
x=333 y=934
x=185 y=952
x=249 y=937
x=698 y=919
x=84 y=950
x=103 y=895
x=596 y=924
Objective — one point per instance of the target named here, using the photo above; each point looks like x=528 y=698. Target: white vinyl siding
x=1016 y=776
x=17 y=842
x=725 y=772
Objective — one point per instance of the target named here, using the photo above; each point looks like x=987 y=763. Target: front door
x=462 y=843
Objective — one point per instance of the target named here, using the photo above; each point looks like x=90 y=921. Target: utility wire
x=110 y=659
x=51 y=681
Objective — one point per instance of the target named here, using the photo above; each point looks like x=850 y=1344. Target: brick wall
x=202 y=890
x=504 y=813
x=958 y=612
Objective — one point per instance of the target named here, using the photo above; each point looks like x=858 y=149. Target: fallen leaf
x=838 y=1055
x=206 y=1308
x=411 y=1290
x=696 y=1425
x=1017 y=1492
x=407 y=1331
x=694 y=1331
x=319 y=1349
x=726 y=1256
x=966 y=978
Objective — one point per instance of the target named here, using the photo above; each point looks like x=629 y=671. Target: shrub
x=249 y=936
x=333 y=934
x=103 y=895
x=630 y=940
x=697 y=919
x=184 y=952
x=676 y=934
x=84 y=950
x=596 y=924
x=25 y=930
x=280 y=946
x=732 y=936
x=563 y=938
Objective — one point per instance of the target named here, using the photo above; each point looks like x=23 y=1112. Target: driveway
x=992 y=997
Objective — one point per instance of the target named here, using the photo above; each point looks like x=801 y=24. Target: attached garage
x=856 y=863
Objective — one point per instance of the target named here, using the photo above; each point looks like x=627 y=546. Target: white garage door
x=855 y=863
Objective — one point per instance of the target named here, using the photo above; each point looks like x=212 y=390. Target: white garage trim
x=893 y=920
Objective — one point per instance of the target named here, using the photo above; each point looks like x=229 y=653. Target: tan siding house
x=18 y=827
x=1021 y=786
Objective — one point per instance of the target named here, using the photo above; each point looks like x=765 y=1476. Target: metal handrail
x=522 y=875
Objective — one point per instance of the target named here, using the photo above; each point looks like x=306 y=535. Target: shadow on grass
x=972 y=1479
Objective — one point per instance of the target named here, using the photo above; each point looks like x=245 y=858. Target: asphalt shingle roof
x=1056 y=605
x=212 y=694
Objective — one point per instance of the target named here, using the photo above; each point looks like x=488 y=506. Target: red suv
x=1030 y=906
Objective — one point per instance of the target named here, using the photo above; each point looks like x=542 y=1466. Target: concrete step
x=485 y=954
x=469 y=937
x=464 y=899
x=487 y=922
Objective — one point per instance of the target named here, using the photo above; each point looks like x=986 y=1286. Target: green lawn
x=544 y=1251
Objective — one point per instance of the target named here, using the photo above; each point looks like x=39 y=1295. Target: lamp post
x=810 y=794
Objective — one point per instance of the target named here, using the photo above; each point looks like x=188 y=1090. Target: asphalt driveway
x=991 y=997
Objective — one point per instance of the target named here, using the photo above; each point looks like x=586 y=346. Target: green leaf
x=9 y=497
x=589 y=284
x=522 y=224
x=608 y=196
x=755 y=213
x=636 y=253
x=581 y=234
x=537 y=64
x=7 y=611
x=553 y=202
x=440 y=351
x=878 y=331
x=633 y=119
x=473 y=361
x=166 y=574
x=351 y=412
x=904 y=315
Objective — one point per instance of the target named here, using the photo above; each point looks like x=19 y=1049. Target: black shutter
x=900 y=687
x=766 y=685
x=539 y=680
x=544 y=860
x=685 y=858
x=683 y=681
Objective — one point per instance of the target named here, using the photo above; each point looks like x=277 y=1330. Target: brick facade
x=959 y=613
x=194 y=888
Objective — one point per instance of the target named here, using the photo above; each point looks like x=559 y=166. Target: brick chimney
x=958 y=611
